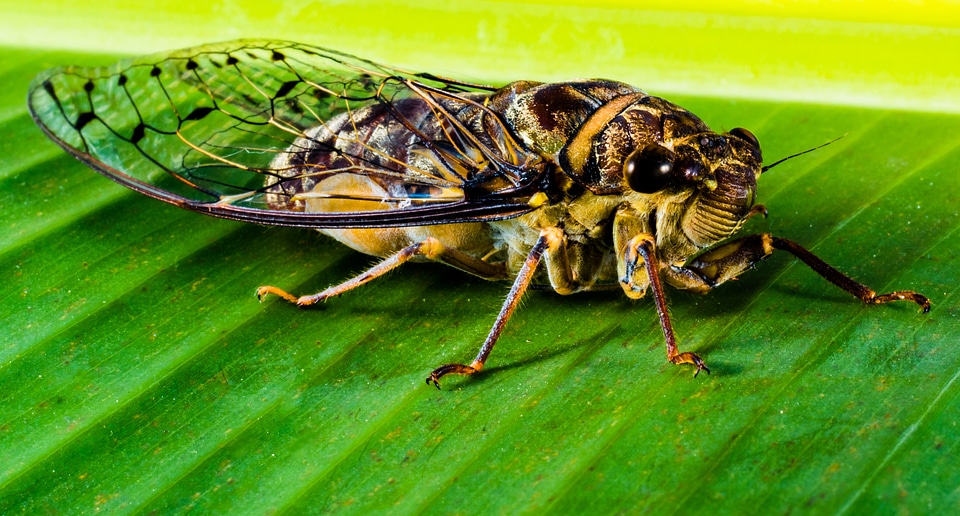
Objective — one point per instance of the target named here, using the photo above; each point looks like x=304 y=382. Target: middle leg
x=551 y=243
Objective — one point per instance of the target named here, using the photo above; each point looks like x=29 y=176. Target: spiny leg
x=857 y=289
x=548 y=239
x=729 y=260
x=644 y=247
x=429 y=248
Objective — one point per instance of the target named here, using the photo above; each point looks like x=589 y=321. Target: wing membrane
x=228 y=129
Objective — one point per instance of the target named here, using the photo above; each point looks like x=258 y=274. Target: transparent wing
x=250 y=130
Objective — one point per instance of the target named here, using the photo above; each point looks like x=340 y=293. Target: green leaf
x=139 y=374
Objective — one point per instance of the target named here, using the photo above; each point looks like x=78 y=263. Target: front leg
x=726 y=262
x=643 y=248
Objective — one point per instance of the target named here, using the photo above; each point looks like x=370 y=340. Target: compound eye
x=647 y=170
x=746 y=136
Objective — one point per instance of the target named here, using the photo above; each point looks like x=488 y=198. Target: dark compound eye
x=745 y=135
x=647 y=170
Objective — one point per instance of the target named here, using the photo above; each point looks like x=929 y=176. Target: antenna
x=822 y=145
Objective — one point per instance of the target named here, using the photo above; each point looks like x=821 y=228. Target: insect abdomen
x=327 y=171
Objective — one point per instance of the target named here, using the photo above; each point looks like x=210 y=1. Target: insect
x=579 y=185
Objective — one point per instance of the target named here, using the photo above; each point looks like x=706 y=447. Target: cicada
x=579 y=185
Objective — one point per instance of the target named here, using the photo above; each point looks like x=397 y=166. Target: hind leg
x=430 y=248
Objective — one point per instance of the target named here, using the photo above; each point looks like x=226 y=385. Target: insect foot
x=901 y=295
x=691 y=358
x=267 y=290
x=444 y=370
x=302 y=301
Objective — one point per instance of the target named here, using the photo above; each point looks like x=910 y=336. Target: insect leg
x=727 y=261
x=429 y=248
x=550 y=238
x=643 y=247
